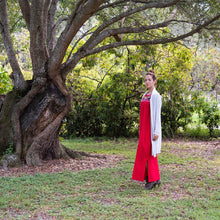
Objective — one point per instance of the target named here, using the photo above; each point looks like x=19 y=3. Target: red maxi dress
x=143 y=155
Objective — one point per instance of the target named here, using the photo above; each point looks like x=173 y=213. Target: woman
x=146 y=164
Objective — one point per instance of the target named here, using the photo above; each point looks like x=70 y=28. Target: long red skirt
x=143 y=155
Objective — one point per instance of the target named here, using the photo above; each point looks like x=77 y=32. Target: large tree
x=31 y=115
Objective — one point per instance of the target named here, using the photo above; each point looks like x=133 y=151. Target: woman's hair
x=151 y=73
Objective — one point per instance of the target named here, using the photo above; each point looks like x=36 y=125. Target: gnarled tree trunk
x=38 y=123
x=34 y=133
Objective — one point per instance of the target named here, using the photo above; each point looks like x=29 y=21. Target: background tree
x=208 y=112
x=5 y=84
x=106 y=99
x=32 y=113
x=206 y=73
x=173 y=64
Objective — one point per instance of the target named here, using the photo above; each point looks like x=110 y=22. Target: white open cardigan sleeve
x=155 y=111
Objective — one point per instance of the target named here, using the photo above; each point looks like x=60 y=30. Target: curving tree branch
x=38 y=36
x=17 y=76
x=51 y=26
x=66 y=67
x=153 y=42
x=25 y=8
x=126 y=14
x=83 y=11
x=126 y=30
x=125 y=2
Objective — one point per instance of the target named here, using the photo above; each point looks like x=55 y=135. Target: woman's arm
x=157 y=126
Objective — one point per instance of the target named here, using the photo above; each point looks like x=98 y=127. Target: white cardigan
x=155 y=115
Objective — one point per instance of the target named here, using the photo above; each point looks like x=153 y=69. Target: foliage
x=211 y=116
x=119 y=108
x=206 y=71
x=107 y=89
x=208 y=112
x=21 y=45
x=210 y=7
x=5 y=81
x=10 y=149
x=198 y=132
x=173 y=64
x=105 y=96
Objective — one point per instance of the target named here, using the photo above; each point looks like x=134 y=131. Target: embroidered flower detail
x=146 y=97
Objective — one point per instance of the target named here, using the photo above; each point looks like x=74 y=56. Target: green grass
x=189 y=189
x=199 y=132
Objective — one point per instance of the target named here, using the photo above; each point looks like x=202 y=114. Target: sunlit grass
x=189 y=189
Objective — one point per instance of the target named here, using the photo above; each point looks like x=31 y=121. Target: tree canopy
x=55 y=26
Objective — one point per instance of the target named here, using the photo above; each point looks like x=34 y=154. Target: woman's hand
x=155 y=137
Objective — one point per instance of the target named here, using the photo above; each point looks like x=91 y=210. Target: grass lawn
x=189 y=190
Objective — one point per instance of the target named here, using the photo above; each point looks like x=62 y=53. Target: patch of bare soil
x=57 y=166
x=203 y=149
x=189 y=182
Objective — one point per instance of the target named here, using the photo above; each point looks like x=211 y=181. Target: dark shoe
x=151 y=185
x=146 y=180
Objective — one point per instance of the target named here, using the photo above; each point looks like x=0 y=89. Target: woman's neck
x=150 y=90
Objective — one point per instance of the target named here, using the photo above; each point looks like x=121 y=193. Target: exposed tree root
x=34 y=157
x=79 y=154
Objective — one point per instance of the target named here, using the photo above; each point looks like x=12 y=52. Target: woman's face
x=149 y=82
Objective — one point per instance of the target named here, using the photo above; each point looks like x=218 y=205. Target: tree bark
x=40 y=122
